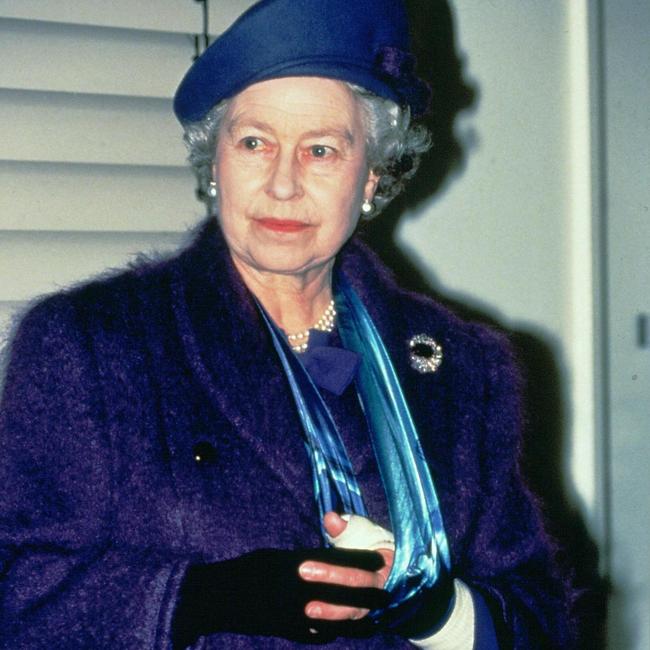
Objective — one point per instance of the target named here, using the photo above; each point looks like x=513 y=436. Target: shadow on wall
x=440 y=64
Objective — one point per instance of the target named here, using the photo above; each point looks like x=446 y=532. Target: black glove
x=423 y=614
x=261 y=593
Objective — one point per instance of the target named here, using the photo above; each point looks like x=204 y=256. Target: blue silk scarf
x=421 y=548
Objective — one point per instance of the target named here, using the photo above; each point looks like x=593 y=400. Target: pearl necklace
x=300 y=340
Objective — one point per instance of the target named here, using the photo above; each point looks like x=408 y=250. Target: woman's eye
x=252 y=143
x=320 y=151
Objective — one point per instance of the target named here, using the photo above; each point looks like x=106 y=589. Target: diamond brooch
x=425 y=354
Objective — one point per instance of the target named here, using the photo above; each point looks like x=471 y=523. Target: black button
x=204 y=453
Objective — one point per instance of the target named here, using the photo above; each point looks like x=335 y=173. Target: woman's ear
x=371 y=186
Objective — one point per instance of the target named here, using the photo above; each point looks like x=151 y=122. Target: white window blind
x=92 y=166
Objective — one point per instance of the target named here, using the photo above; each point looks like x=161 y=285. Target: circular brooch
x=425 y=354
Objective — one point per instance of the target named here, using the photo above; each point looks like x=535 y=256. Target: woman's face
x=292 y=173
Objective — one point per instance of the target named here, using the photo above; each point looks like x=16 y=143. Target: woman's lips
x=282 y=225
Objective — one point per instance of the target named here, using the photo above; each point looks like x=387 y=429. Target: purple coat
x=111 y=386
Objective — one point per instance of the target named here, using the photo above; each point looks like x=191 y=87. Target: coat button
x=204 y=453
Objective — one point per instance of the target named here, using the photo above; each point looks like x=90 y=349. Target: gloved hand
x=262 y=593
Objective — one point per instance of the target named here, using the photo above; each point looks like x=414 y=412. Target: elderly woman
x=263 y=441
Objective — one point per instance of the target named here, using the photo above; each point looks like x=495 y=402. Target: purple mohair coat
x=109 y=388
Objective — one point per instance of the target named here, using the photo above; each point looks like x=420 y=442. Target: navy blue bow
x=330 y=368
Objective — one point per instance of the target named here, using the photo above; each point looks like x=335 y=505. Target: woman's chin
x=284 y=267
x=284 y=263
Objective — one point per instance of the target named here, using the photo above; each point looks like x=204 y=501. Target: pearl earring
x=367 y=207
x=212 y=189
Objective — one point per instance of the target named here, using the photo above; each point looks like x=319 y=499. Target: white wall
x=512 y=234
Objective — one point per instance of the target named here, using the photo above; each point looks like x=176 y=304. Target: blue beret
x=365 y=42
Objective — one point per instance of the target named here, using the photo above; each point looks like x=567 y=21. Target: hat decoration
x=399 y=67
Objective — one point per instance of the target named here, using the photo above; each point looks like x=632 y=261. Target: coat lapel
x=229 y=351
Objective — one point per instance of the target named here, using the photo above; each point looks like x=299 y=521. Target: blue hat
x=365 y=42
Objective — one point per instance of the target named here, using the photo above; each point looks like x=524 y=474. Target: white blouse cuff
x=458 y=632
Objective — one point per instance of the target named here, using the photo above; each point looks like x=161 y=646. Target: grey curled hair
x=394 y=146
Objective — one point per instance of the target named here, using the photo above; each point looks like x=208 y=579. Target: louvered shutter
x=92 y=166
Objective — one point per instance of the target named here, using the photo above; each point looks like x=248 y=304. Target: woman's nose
x=284 y=182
